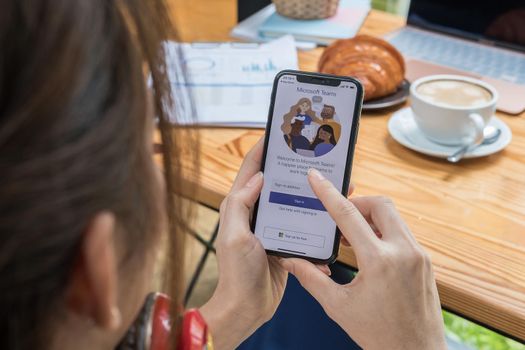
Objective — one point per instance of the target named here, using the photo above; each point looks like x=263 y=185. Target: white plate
x=404 y=130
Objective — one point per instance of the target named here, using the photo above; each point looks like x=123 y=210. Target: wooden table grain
x=469 y=216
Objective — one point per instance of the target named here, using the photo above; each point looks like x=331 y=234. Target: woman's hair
x=318 y=140
x=286 y=126
x=74 y=111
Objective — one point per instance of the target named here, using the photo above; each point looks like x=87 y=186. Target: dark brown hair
x=73 y=122
x=318 y=140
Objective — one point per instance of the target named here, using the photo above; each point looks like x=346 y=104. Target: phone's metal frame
x=318 y=79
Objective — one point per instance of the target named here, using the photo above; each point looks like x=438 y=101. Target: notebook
x=248 y=29
x=345 y=24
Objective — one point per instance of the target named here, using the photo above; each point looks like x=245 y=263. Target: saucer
x=398 y=97
x=404 y=130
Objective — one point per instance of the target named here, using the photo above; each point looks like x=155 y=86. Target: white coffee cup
x=451 y=123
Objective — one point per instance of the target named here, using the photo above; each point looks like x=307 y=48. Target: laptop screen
x=246 y=8
x=501 y=22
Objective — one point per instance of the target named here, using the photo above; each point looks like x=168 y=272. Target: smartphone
x=312 y=123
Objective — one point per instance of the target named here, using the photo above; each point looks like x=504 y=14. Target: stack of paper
x=266 y=24
x=226 y=84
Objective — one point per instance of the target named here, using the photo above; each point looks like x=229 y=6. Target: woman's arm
x=228 y=325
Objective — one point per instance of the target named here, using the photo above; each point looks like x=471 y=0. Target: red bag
x=151 y=330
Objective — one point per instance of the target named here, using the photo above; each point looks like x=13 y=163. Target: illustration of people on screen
x=328 y=114
x=295 y=140
x=324 y=141
x=308 y=135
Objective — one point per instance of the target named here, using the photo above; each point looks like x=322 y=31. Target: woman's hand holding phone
x=251 y=284
x=393 y=301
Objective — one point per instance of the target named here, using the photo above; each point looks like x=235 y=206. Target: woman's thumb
x=235 y=209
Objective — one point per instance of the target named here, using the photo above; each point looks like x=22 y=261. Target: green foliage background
x=475 y=336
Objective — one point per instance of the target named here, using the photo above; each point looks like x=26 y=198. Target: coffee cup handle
x=478 y=123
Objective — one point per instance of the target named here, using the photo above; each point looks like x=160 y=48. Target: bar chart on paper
x=226 y=84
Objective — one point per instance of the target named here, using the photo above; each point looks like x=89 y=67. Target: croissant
x=373 y=61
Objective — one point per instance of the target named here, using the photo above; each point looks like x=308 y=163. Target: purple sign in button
x=296 y=201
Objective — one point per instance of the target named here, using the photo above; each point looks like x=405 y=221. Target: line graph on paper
x=228 y=82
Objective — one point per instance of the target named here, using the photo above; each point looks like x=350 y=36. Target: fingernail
x=315 y=174
x=324 y=269
x=254 y=180
x=116 y=318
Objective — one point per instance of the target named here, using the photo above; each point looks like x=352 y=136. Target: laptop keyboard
x=459 y=54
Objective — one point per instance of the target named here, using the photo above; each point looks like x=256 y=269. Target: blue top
x=322 y=148
x=305 y=118
x=298 y=142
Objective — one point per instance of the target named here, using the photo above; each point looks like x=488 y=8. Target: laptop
x=481 y=39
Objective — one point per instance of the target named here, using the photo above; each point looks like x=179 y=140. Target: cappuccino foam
x=455 y=93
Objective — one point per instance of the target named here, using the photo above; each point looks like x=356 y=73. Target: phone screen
x=311 y=127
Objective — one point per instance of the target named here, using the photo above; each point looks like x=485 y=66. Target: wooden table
x=470 y=216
